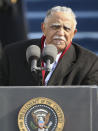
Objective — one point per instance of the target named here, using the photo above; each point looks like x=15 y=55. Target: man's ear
x=43 y=28
x=73 y=34
x=75 y=31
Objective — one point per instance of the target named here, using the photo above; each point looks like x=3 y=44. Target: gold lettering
x=42 y=101
x=21 y=116
x=48 y=103
x=21 y=124
x=56 y=109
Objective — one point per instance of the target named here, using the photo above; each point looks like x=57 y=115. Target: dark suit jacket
x=78 y=66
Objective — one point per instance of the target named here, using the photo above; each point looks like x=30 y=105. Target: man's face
x=59 y=30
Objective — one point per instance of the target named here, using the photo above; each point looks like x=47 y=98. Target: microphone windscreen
x=49 y=52
x=33 y=51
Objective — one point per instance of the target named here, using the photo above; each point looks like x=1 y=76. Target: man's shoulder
x=84 y=55
x=22 y=44
x=81 y=51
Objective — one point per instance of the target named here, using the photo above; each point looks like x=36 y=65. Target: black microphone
x=33 y=54
x=49 y=55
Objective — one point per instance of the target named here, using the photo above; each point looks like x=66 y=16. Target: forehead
x=60 y=17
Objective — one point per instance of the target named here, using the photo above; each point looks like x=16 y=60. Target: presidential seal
x=41 y=114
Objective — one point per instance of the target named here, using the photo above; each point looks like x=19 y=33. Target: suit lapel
x=63 y=67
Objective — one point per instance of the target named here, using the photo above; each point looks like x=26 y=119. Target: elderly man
x=74 y=65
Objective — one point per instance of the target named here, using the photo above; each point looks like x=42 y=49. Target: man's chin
x=60 y=47
x=59 y=43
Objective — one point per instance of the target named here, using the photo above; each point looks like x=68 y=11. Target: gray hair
x=61 y=9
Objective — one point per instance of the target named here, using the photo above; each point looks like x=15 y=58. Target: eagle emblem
x=41 y=114
x=41 y=119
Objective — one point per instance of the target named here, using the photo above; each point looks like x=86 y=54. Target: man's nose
x=60 y=31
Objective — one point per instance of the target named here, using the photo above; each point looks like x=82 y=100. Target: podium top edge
x=93 y=86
